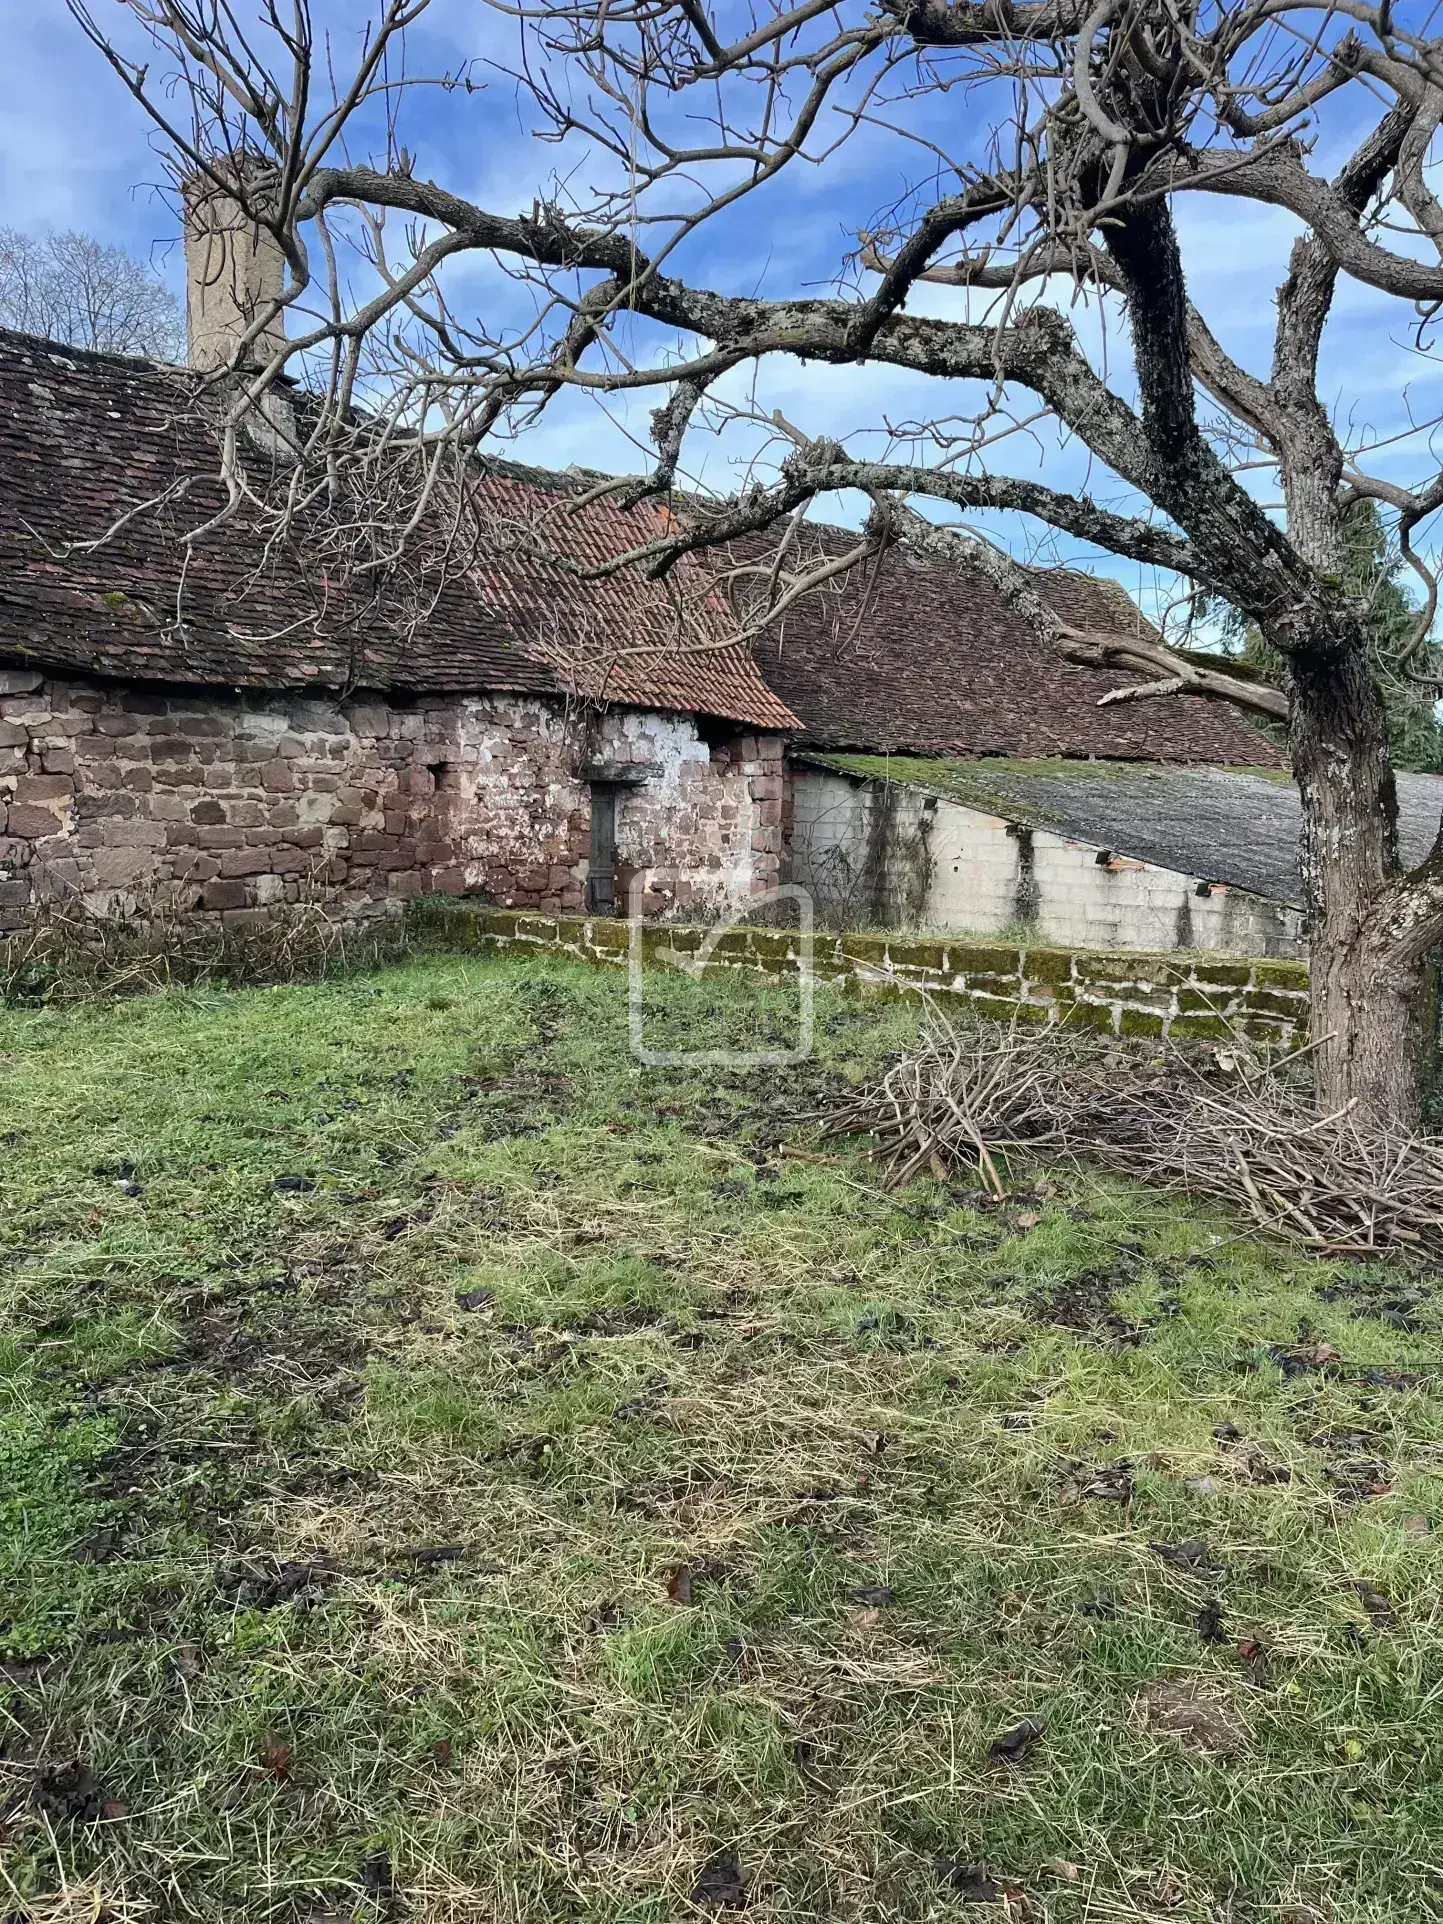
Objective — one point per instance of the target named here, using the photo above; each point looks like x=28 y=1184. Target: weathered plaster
x=984 y=874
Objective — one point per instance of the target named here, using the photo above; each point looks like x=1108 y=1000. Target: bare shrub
x=1227 y=1125
x=68 y=954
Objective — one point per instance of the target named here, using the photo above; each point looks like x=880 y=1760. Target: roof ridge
x=106 y=357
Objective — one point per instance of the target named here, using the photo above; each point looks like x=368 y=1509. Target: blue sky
x=74 y=151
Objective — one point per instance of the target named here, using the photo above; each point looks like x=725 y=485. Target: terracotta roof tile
x=908 y=655
x=85 y=439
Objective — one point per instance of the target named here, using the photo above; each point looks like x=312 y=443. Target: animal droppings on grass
x=721 y=1885
x=1015 y=1744
x=1192 y=1555
x=876 y=1596
x=266 y=1583
x=1209 y=1622
x=68 y=1793
x=972 y=1882
x=1381 y=1613
x=293 y=1185
x=377 y=1878
x=474 y=1298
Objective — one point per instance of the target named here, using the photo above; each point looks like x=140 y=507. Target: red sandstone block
x=207 y=812
x=103 y=806
x=245 y=861
x=44 y=788
x=224 y=895
x=278 y=778
x=769 y=814
x=220 y=837
x=13 y=734
x=172 y=748
x=180 y=835
x=28 y=824
x=304 y=837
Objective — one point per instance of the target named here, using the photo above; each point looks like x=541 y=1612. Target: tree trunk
x=1367 y=988
x=1370 y=1019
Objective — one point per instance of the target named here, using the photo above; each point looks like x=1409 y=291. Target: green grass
x=326 y=1595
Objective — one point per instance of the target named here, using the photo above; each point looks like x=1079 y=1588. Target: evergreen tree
x=1373 y=573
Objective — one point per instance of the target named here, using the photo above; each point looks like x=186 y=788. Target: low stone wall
x=1121 y=993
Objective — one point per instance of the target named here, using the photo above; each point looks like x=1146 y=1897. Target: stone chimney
x=234 y=272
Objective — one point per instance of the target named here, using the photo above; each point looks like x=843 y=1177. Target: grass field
x=450 y=1473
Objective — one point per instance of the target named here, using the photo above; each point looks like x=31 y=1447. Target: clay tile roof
x=907 y=655
x=86 y=439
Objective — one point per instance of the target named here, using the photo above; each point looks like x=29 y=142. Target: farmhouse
x=206 y=724
x=238 y=722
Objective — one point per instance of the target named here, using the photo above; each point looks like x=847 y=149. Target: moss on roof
x=988 y=782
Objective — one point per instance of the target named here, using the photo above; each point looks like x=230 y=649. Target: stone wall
x=1121 y=994
x=893 y=855
x=239 y=805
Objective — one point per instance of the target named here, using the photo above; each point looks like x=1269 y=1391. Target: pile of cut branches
x=1230 y=1127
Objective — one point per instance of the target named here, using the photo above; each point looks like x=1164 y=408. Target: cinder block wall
x=235 y=806
x=892 y=855
x=1127 y=994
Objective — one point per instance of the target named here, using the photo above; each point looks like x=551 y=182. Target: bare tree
x=73 y=288
x=1052 y=142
